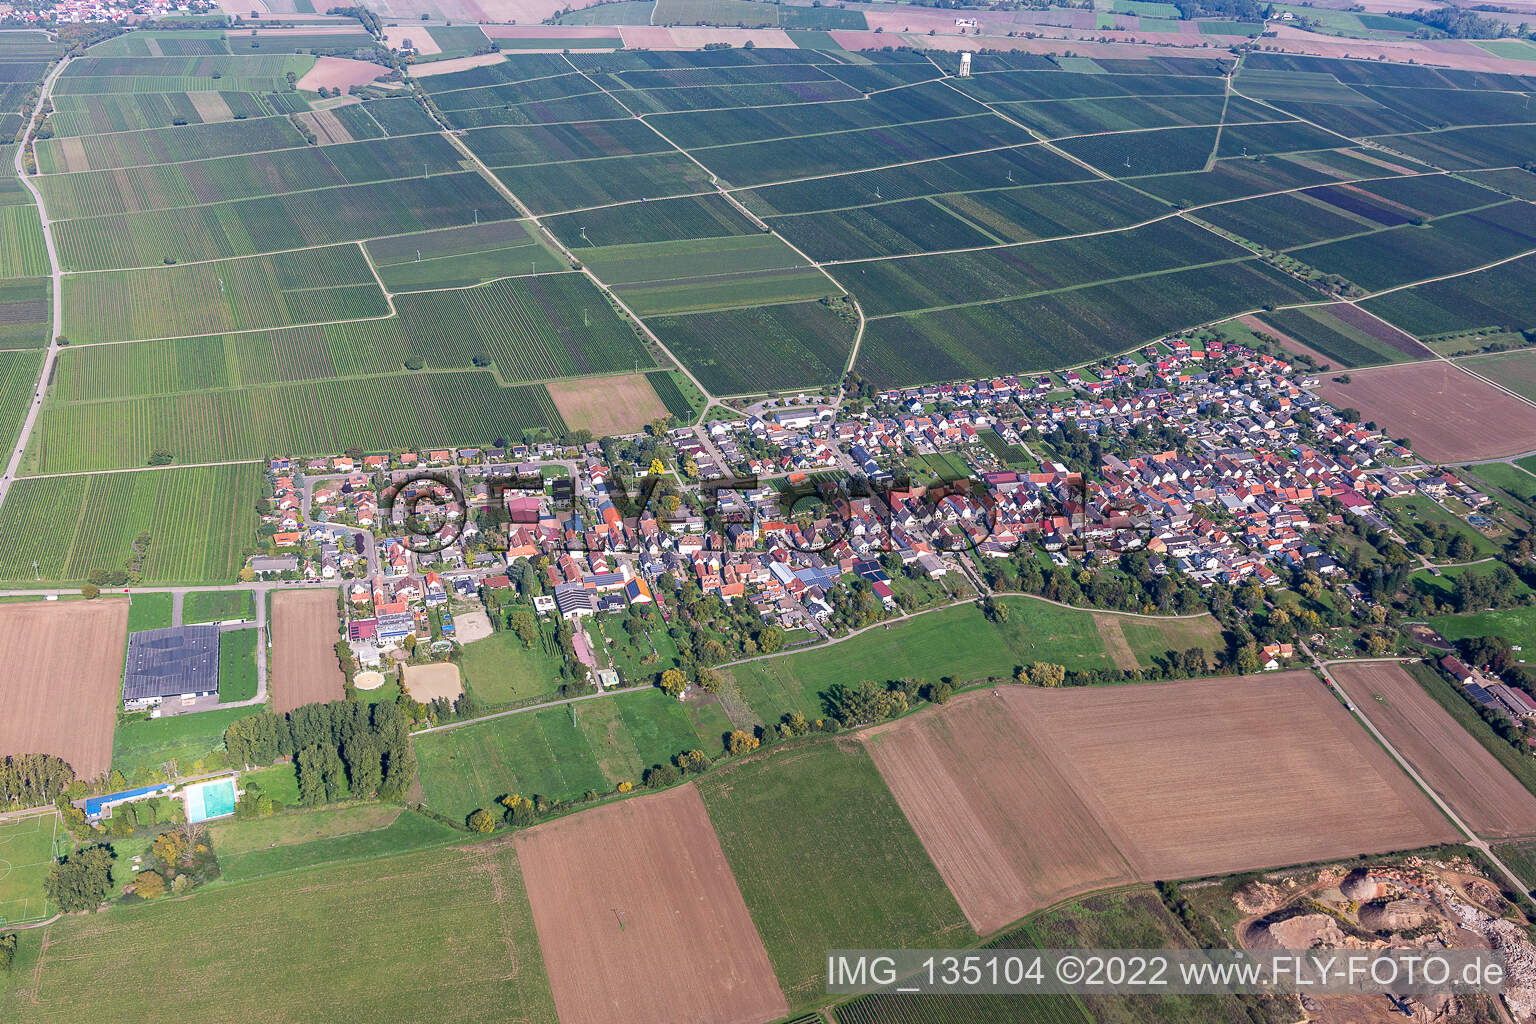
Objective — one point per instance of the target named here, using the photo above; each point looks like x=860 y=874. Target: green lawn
x=237 y=665
x=1417 y=508
x=499 y=670
x=559 y=752
x=149 y=611
x=1517 y=625
x=280 y=782
x=1445 y=584
x=141 y=742
x=1512 y=480
x=825 y=804
x=458 y=917
x=217 y=605
x=1520 y=855
x=958 y=643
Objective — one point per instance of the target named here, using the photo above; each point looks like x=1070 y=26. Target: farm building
x=163 y=664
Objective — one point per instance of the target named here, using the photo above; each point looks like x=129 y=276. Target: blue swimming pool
x=210 y=800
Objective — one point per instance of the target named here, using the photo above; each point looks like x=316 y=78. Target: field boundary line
x=565 y=251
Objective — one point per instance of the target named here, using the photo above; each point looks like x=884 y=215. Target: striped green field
x=201 y=521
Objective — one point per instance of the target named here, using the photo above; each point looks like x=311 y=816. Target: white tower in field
x=965 y=64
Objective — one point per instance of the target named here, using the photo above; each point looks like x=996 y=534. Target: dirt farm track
x=63 y=672
x=1478 y=788
x=304 y=632
x=640 y=918
x=1023 y=796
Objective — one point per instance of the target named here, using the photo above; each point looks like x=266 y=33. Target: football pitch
x=27 y=849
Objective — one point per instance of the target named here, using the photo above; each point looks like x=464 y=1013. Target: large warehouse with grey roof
x=165 y=664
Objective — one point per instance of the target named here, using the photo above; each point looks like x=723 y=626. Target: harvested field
x=63 y=669
x=428 y=682
x=1482 y=791
x=326 y=126
x=342 y=73
x=1114 y=640
x=304 y=633
x=1023 y=796
x=1448 y=415
x=616 y=887
x=448 y=67
x=621 y=404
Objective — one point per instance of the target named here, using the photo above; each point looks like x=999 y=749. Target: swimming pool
x=210 y=800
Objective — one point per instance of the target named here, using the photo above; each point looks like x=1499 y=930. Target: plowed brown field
x=640 y=918
x=1022 y=796
x=1481 y=791
x=304 y=633
x=62 y=672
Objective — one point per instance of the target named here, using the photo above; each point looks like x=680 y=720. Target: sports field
x=461 y=916
x=1024 y=795
x=27 y=850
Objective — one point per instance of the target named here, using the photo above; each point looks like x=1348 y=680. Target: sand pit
x=1447 y=414
x=428 y=682
x=1479 y=789
x=1023 y=796
x=63 y=672
x=621 y=404
x=615 y=888
x=340 y=73
x=471 y=626
x=304 y=634
x=368 y=680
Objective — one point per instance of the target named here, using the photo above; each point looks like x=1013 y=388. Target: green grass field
x=149 y=611
x=562 y=751
x=237 y=665
x=499 y=670
x=956 y=643
x=27 y=847
x=825 y=804
x=217 y=605
x=140 y=742
x=460 y=918
x=298 y=840
x=1517 y=625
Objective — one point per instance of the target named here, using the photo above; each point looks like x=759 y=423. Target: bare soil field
x=466 y=12
x=1482 y=791
x=428 y=682
x=1448 y=415
x=341 y=73
x=621 y=404
x=396 y=35
x=447 y=67
x=640 y=918
x=304 y=633
x=63 y=673
x=1023 y=796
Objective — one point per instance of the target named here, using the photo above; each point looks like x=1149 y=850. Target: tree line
x=31 y=780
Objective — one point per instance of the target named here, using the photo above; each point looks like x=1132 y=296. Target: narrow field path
x=56 y=285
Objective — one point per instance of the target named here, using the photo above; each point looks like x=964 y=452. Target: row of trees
x=31 y=780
